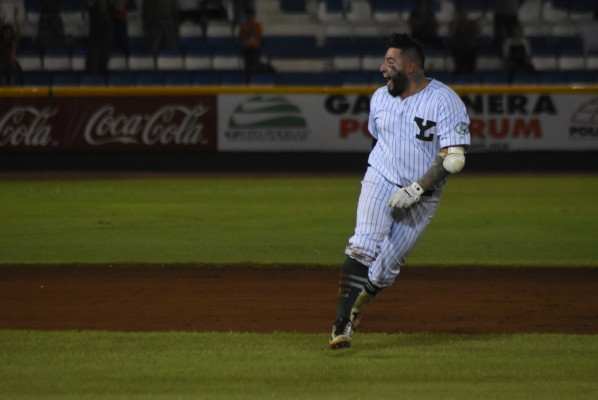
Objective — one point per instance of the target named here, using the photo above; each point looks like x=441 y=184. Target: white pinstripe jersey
x=410 y=132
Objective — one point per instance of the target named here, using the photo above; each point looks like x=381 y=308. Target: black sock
x=354 y=275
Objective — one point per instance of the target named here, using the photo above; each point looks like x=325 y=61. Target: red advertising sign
x=131 y=123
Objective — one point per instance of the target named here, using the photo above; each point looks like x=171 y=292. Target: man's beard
x=398 y=84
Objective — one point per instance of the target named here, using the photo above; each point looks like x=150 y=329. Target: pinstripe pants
x=384 y=238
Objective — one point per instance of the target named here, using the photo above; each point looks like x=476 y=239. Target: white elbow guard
x=454 y=160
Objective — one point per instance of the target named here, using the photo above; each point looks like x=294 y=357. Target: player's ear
x=411 y=66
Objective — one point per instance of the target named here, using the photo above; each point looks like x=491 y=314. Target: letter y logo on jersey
x=423 y=128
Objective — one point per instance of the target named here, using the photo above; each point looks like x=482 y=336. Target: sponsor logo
x=354 y=111
x=584 y=122
x=266 y=119
x=27 y=126
x=171 y=124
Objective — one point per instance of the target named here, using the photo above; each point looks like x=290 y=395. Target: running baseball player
x=421 y=132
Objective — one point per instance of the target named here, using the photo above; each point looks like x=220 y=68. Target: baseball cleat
x=355 y=318
x=342 y=330
x=363 y=300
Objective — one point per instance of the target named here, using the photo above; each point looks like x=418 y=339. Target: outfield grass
x=547 y=220
x=100 y=365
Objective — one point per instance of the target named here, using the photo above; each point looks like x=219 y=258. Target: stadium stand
x=328 y=42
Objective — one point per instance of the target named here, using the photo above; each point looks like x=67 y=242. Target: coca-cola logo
x=170 y=124
x=26 y=126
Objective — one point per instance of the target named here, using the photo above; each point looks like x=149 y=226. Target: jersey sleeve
x=453 y=125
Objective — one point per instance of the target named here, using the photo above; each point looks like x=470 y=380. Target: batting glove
x=405 y=197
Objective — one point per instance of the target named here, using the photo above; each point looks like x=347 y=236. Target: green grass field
x=546 y=220
x=99 y=365
x=543 y=220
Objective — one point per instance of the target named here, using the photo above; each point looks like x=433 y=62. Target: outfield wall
x=273 y=127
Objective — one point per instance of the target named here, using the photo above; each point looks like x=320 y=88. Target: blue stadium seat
x=122 y=78
x=232 y=78
x=582 y=77
x=553 y=78
x=262 y=79
x=525 y=78
x=205 y=78
x=494 y=78
x=222 y=43
x=386 y=5
x=467 y=79
x=36 y=78
x=335 y=5
x=178 y=78
x=308 y=79
x=150 y=78
x=292 y=6
x=356 y=78
x=65 y=79
x=291 y=46
x=442 y=76
x=92 y=80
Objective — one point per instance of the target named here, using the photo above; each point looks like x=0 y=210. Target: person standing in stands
x=464 y=45
x=50 y=28
x=424 y=25
x=506 y=16
x=10 y=70
x=121 y=25
x=250 y=33
x=101 y=34
x=517 y=54
x=160 y=24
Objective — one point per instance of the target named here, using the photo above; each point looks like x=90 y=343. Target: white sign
x=293 y=122
x=338 y=122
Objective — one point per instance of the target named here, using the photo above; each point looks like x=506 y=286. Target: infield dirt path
x=253 y=299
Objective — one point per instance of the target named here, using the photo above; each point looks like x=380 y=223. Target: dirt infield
x=254 y=299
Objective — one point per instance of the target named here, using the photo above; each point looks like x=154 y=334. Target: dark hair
x=405 y=42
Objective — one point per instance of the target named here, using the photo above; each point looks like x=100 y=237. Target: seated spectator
x=517 y=54
x=424 y=25
x=464 y=41
x=10 y=70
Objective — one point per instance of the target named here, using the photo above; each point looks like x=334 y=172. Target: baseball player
x=421 y=132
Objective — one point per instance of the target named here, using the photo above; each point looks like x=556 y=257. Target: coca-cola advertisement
x=130 y=123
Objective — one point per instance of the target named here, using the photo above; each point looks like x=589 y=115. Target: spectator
x=250 y=34
x=160 y=24
x=10 y=70
x=101 y=35
x=517 y=54
x=424 y=25
x=464 y=41
x=121 y=35
x=506 y=16
x=50 y=28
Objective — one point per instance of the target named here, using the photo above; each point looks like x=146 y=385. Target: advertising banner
x=108 y=123
x=250 y=120
x=530 y=122
x=293 y=122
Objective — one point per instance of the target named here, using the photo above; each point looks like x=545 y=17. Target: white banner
x=293 y=122
x=530 y=122
x=338 y=122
